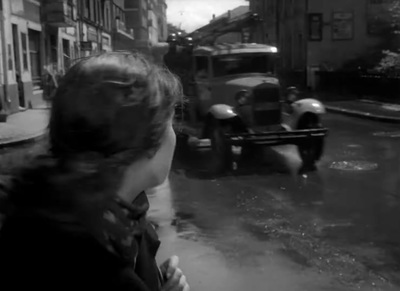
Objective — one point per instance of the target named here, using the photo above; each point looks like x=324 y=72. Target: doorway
x=18 y=71
x=67 y=54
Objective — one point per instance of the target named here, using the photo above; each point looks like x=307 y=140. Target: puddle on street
x=354 y=166
x=391 y=107
x=392 y=134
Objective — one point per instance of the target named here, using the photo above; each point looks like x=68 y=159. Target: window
x=97 y=8
x=202 y=67
x=102 y=14
x=95 y=16
x=76 y=51
x=87 y=8
x=379 y=2
x=160 y=28
x=107 y=18
x=315 y=26
x=34 y=53
x=243 y=64
x=119 y=13
x=53 y=47
x=24 y=51
x=131 y=4
x=70 y=9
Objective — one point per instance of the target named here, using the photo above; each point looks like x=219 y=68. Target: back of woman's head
x=111 y=103
x=108 y=111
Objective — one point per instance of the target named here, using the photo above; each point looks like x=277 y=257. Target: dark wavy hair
x=108 y=111
x=110 y=103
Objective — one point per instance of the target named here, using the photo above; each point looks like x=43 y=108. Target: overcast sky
x=192 y=14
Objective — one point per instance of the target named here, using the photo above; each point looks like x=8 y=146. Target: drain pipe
x=5 y=61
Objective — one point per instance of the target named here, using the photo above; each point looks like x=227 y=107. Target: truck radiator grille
x=266 y=105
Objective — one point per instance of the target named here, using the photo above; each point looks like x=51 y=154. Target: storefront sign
x=17 y=7
x=86 y=46
x=106 y=40
x=342 y=26
x=92 y=34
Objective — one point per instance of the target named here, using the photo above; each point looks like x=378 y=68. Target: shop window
x=66 y=53
x=34 y=53
x=24 y=51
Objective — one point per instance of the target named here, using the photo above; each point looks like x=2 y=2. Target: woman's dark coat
x=41 y=249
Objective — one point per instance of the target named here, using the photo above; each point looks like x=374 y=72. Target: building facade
x=316 y=35
x=162 y=20
x=22 y=54
x=38 y=36
x=61 y=33
x=123 y=34
x=148 y=20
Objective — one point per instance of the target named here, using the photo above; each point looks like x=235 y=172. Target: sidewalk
x=23 y=127
x=384 y=112
x=358 y=107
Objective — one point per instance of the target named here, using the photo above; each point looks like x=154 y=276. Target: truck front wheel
x=221 y=149
x=310 y=150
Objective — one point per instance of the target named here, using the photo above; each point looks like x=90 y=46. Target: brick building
x=319 y=34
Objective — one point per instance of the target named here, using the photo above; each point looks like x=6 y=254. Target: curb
x=378 y=102
x=355 y=113
x=24 y=140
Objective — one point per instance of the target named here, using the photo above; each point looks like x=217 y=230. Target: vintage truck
x=236 y=102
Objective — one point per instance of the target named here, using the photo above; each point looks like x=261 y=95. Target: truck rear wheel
x=310 y=150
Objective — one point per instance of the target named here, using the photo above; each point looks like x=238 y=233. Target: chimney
x=213 y=16
x=229 y=14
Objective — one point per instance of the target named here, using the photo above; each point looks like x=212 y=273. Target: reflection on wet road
x=267 y=228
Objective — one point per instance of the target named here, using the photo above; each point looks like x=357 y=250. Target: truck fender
x=308 y=105
x=222 y=111
x=301 y=107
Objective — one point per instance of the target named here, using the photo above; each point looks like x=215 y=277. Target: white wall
x=107 y=48
x=153 y=30
x=8 y=39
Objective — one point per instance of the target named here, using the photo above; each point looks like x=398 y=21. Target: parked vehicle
x=237 y=103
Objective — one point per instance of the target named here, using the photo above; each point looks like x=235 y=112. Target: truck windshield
x=243 y=64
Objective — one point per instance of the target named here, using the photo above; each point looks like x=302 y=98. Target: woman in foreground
x=77 y=218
